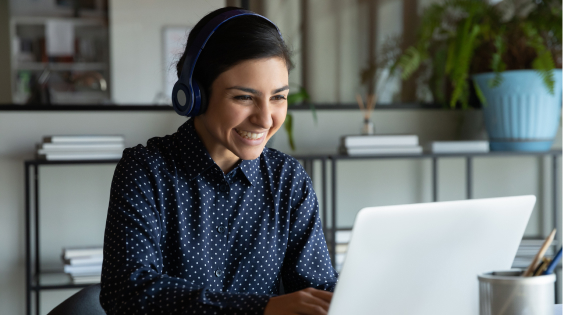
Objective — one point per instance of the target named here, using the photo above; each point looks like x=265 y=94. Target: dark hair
x=242 y=38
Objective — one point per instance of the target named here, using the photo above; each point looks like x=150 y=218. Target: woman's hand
x=308 y=301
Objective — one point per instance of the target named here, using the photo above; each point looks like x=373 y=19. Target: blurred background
x=106 y=67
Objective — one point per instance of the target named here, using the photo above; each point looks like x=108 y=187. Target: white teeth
x=250 y=135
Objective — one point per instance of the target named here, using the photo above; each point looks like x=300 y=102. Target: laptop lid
x=425 y=258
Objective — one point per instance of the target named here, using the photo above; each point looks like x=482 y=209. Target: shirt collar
x=251 y=169
x=197 y=159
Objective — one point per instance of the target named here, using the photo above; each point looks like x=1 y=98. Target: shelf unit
x=37 y=281
x=29 y=64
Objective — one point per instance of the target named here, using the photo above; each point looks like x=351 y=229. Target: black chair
x=84 y=302
x=87 y=302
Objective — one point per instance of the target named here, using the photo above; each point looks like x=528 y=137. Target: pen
x=542 y=267
x=553 y=263
x=537 y=259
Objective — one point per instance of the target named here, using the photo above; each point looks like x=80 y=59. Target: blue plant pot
x=520 y=113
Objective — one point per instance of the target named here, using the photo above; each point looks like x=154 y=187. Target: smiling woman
x=248 y=105
x=209 y=220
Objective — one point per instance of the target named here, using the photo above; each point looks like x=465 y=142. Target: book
x=73 y=146
x=459 y=146
x=83 y=270
x=83 y=138
x=535 y=242
x=86 y=279
x=343 y=236
x=530 y=247
x=78 y=152
x=69 y=253
x=341 y=248
x=379 y=140
x=80 y=156
x=412 y=150
x=532 y=251
x=85 y=260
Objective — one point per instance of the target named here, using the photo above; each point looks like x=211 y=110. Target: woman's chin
x=250 y=154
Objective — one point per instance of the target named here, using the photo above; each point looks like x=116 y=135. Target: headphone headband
x=186 y=94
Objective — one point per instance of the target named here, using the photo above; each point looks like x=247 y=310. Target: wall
x=5 y=82
x=336 y=44
x=136 y=44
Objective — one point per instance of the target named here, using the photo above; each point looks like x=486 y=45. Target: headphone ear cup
x=204 y=99
x=181 y=99
x=200 y=99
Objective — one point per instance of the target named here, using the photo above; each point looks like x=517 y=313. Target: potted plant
x=507 y=53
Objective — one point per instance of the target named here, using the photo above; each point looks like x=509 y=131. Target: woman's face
x=247 y=105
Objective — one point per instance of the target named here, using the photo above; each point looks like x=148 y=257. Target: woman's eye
x=279 y=97
x=243 y=97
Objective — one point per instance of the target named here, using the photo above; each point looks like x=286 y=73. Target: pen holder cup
x=507 y=292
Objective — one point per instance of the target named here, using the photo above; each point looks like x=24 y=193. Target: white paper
x=59 y=38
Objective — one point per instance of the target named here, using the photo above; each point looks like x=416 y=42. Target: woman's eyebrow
x=283 y=88
x=255 y=92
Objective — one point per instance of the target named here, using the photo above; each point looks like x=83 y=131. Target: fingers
x=308 y=301
x=316 y=301
x=322 y=294
x=312 y=309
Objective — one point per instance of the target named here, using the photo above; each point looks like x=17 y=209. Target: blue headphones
x=188 y=97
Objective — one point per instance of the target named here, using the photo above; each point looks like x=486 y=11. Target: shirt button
x=218 y=273
x=223 y=187
x=220 y=229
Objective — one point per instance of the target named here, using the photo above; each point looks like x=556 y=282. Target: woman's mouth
x=250 y=135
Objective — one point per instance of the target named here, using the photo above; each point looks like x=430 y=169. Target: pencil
x=553 y=263
x=542 y=267
x=537 y=259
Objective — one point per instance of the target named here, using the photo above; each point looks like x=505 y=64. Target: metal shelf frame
x=32 y=225
x=33 y=273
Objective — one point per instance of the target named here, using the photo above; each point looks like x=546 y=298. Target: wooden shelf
x=59 y=66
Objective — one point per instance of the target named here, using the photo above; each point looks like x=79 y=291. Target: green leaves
x=496 y=61
x=479 y=93
x=459 y=60
x=543 y=63
x=465 y=29
x=301 y=96
x=288 y=125
x=408 y=62
x=298 y=97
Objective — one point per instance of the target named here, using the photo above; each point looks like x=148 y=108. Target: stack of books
x=84 y=265
x=380 y=145
x=459 y=146
x=342 y=240
x=88 y=147
x=528 y=249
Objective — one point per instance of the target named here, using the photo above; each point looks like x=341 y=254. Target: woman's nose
x=262 y=115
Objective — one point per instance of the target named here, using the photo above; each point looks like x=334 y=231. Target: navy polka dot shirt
x=182 y=237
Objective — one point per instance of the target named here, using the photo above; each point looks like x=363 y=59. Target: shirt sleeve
x=133 y=281
x=307 y=262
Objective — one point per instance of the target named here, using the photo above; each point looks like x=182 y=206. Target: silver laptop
x=425 y=258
